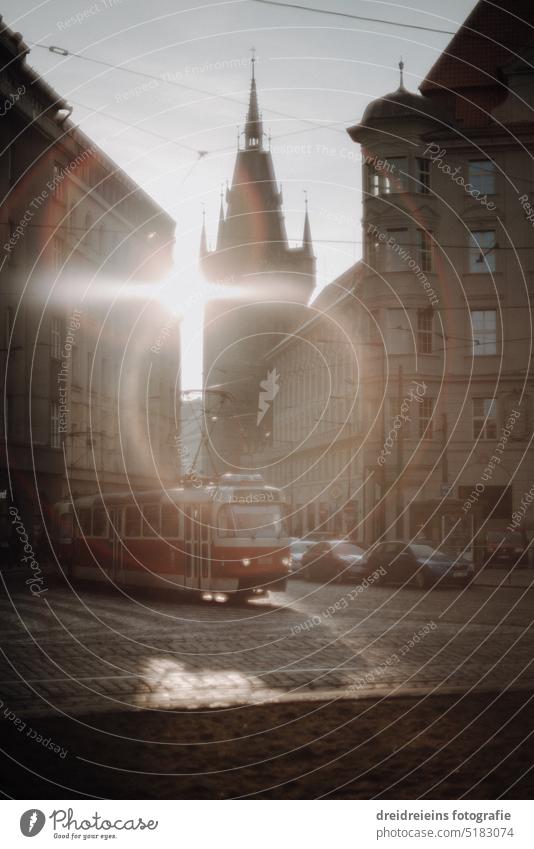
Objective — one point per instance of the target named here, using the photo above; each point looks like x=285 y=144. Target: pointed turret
x=307 y=244
x=254 y=125
x=220 y=228
x=203 y=238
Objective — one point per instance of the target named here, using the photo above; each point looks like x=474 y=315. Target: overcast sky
x=315 y=68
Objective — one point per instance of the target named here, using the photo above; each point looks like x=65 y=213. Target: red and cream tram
x=226 y=537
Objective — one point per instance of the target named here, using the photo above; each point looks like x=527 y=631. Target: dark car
x=298 y=548
x=505 y=548
x=333 y=559
x=418 y=563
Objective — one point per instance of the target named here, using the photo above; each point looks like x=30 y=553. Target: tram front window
x=261 y=522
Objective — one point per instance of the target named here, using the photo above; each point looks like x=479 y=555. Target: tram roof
x=221 y=492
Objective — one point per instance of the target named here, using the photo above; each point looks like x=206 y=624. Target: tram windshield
x=258 y=522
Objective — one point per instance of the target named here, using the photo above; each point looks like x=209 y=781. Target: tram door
x=116 y=571
x=197 y=546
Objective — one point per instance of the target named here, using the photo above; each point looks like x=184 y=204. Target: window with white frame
x=484 y=418
x=482 y=251
x=395 y=175
x=425 y=326
x=484 y=331
x=423 y=176
x=481 y=176
x=426 y=408
x=373 y=181
x=424 y=249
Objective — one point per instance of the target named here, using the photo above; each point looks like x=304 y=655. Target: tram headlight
x=286 y=561
x=245 y=561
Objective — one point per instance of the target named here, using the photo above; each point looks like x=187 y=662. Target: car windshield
x=428 y=553
x=514 y=539
x=345 y=549
x=259 y=522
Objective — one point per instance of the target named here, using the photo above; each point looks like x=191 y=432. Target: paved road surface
x=93 y=651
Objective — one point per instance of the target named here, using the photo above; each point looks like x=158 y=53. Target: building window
x=482 y=255
x=425 y=418
x=484 y=418
x=57 y=253
x=58 y=182
x=55 y=338
x=481 y=176
x=395 y=175
x=394 y=247
x=424 y=249
x=55 y=436
x=425 y=321
x=423 y=176
x=484 y=331
x=387 y=176
x=373 y=181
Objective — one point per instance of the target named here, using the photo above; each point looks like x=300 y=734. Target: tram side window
x=205 y=521
x=84 y=520
x=100 y=522
x=150 y=520
x=187 y=522
x=133 y=522
x=170 y=521
x=226 y=522
x=65 y=527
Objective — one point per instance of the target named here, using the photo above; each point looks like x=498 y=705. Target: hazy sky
x=314 y=68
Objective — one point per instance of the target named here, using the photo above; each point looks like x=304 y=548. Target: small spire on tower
x=307 y=245
x=253 y=126
x=401 y=71
x=203 y=238
x=222 y=221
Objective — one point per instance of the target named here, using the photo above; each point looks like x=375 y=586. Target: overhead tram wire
x=312 y=125
x=338 y=14
x=63 y=51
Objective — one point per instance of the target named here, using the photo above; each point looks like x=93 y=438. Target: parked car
x=505 y=548
x=298 y=547
x=418 y=563
x=334 y=558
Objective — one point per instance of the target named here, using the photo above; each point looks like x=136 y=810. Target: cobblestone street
x=322 y=691
x=94 y=652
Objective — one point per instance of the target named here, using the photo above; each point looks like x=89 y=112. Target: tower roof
x=254 y=124
x=252 y=238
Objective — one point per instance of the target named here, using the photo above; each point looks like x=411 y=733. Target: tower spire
x=220 y=229
x=253 y=126
x=203 y=238
x=307 y=244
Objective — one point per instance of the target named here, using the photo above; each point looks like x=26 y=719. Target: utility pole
x=399 y=529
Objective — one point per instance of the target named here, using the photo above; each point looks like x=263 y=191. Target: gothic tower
x=265 y=285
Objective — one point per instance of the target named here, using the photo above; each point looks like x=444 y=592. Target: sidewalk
x=518 y=578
